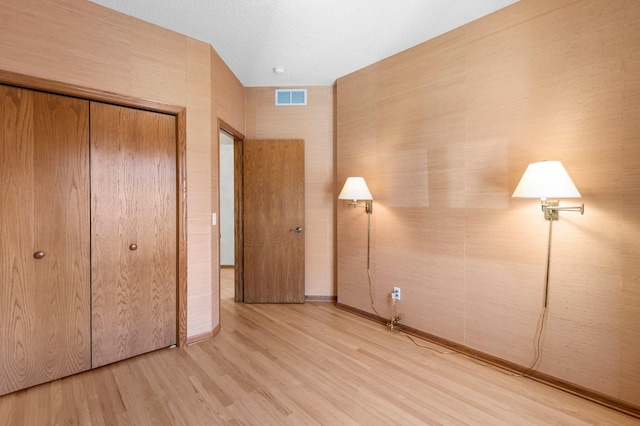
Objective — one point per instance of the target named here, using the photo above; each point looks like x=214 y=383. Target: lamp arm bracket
x=579 y=208
x=551 y=209
x=368 y=205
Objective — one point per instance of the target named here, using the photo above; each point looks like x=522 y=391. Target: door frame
x=238 y=148
x=238 y=174
x=50 y=86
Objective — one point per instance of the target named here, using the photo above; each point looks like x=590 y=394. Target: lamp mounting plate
x=549 y=212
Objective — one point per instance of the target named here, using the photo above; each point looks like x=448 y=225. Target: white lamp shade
x=355 y=188
x=546 y=179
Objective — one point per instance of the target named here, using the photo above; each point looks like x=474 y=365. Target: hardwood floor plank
x=6 y=409
x=14 y=413
x=77 y=398
x=38 y=407
x=92 y=398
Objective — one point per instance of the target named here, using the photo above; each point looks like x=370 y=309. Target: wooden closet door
x=44 y=208
x=134 y=232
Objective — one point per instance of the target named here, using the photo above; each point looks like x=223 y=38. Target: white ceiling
x=315 y=41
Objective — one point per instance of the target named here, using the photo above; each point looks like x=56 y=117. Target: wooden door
x=44 y=238
x=134 y=231
x=273 y=221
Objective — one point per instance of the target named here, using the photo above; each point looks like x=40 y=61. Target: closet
x=88 y=225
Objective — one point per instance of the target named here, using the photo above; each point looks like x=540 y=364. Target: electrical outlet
x=396 y=293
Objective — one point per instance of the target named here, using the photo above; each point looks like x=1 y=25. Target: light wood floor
x=298 y=365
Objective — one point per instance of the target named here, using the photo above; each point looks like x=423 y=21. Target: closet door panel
x=134 y=232
x=45 y=244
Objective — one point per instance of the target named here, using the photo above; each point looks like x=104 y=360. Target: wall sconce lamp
x=548 y=179
x=544 y=180
x=356 y=189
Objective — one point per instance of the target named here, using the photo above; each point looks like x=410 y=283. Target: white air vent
x=291 y=97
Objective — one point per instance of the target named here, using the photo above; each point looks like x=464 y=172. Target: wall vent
x=291 y=97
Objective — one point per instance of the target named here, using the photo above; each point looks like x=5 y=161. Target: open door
x=273 y=221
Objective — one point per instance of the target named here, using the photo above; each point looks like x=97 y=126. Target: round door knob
x=133 y=247
x=297 y=230
x=38 y=254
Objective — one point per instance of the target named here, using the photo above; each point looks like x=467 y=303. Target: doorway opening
x=230 y=204
x=261 y=224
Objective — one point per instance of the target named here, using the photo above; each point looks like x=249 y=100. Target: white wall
x=227 y=237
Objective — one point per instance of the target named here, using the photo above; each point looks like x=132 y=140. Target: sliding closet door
x=44 y=238
x=134 y=231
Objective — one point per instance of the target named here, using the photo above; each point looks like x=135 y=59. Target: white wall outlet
x=396 y=293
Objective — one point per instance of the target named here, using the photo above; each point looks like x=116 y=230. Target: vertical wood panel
x=61 y=144
x=133 y=183
x=356 y=121
x=630 y=206
x=228 y=94
x=200 y=194
x=71 y=41
x=44 y=206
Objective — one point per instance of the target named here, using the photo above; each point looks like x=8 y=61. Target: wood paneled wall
x=314 y=124
x=81 y=43
x=227 y=94
x=443 y=132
